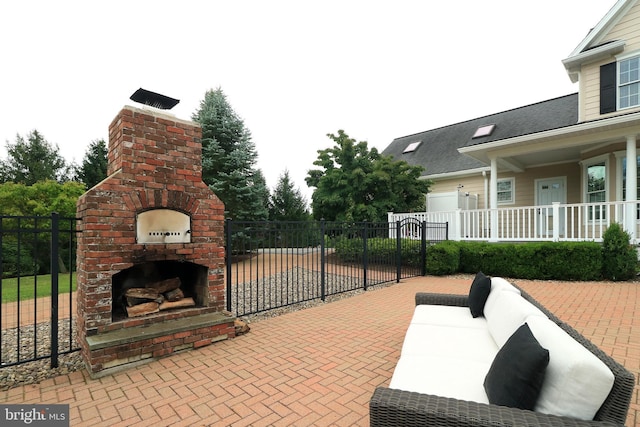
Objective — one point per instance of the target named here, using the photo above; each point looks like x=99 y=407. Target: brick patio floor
x=317 y=366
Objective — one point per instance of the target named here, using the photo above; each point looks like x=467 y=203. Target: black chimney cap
x=153 y=99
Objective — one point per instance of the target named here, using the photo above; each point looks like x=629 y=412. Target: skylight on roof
x=484 y=131
x=412 y=147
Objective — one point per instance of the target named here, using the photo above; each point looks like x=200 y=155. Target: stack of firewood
x=156 y=296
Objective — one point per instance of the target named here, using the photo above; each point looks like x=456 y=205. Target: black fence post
x=365 y=255
x=398 y=253
x=55 y=220
x=227 y=230
x=423 y=249
x=322 y=261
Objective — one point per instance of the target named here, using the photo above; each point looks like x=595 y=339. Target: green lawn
x=9 y=287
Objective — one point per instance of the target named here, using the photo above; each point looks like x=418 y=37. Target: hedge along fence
x=382 y=250
x=544 y=260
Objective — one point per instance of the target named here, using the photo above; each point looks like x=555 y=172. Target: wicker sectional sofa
x=452 y=367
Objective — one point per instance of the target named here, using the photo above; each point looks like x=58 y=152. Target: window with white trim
x=629 y=82
x=506 y=191
x=596 y=189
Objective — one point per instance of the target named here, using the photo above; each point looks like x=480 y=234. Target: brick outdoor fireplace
x=150 y=252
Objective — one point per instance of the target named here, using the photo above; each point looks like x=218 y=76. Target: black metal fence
x=276 y=264
x=269 y=265
x=37 y=261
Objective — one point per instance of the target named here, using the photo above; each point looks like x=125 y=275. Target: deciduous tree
x=40 y=199
x=354 y=183
x=34 y=203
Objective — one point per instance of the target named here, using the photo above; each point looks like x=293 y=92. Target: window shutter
x=608 y=88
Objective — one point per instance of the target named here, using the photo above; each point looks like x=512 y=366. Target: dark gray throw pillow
x=517 y=372
x=479 y=293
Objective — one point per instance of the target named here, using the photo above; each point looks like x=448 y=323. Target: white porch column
x=631 y=192
x=493 y=199
x=457 y=225
x=556 y=221
x=486 y=189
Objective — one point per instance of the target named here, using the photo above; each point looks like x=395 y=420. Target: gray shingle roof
x=438 y=152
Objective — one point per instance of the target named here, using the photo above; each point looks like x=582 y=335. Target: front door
x=548 y=191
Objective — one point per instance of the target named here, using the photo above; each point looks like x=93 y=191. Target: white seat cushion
x=508 y=314
x=447 y=341
x=447 y=377
x=445 y=315
x=576 y=382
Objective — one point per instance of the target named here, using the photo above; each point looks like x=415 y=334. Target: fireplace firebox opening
x=155 y=286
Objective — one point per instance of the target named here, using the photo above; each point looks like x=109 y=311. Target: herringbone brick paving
x=317 y=366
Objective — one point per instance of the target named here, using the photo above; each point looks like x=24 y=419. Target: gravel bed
x=313 y=303
x=296 y=286
x=287 y=287
x=22 y=339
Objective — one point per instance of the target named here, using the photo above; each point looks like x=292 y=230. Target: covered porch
x=556 y=222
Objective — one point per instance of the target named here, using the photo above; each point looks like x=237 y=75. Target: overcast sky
x=293 y=70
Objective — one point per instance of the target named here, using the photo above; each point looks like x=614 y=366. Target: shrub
x=379 y=250
x=443 y=258
x=347 y=250
x=619 y=257
x=543 y=260
x=471 y=256
x=569 y=261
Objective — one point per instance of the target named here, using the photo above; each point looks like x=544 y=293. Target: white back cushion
x=508 y=314
x=503 y=284
x=498 y=284
x=576 y=382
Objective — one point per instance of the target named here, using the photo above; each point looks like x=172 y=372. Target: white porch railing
x=556 y=222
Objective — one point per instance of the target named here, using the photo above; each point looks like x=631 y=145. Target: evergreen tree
x=358 y=184
x=228 y=159
x=287 y=202
x=33 y=160
x=262 y=191
x=94 y=164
